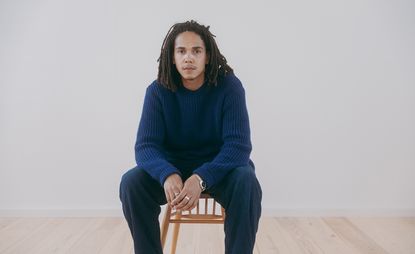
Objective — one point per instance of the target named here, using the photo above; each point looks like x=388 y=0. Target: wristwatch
x=201 y=182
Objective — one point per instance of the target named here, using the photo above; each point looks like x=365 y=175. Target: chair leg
x=176 y=229
x=165 y=225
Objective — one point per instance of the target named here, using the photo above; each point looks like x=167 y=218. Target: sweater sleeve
x=236 y=147
x=149 y=153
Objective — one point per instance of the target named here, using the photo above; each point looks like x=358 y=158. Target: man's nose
x=188 y=57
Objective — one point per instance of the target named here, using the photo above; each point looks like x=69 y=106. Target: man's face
x=190 y=57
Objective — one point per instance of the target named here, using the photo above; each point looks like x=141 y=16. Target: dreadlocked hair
x=169 y=77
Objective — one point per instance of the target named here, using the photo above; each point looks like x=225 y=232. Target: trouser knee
x=140 y=187
x=246 y=184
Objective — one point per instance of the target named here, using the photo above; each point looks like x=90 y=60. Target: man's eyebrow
x=196 y=47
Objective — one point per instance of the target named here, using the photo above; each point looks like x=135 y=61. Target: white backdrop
x=330 y=90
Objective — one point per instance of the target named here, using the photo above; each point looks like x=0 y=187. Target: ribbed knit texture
x=205 y=131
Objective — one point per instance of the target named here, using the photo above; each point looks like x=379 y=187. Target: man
x=193 y=137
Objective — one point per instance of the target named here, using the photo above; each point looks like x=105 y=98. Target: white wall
x=330 y=89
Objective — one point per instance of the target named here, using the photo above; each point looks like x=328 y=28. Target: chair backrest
x=206 y=211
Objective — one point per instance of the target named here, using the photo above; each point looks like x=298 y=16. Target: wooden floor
x=275 y=235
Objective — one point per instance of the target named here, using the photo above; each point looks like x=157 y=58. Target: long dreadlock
x=168 y=75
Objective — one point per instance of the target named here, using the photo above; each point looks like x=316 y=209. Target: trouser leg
x=141 y=197
x=240 y=194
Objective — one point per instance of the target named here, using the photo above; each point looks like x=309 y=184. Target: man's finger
x=171 y=193
x=167 y=196
x=178 y=198
x=183 y=202
x=189 y=205
x=174 y=193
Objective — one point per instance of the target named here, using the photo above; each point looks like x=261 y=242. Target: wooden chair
x=208 y=216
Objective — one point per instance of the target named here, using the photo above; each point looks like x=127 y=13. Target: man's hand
x=189 y=196
x=172 y=187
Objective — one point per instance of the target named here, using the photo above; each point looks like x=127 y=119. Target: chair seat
x=198 y=218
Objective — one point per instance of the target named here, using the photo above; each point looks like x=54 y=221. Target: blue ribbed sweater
x=205 y=131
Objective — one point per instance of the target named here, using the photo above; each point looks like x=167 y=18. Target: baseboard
x=266 y=211
x=61 y=213
x=307 y=212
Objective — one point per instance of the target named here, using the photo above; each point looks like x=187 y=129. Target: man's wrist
x=202 y=184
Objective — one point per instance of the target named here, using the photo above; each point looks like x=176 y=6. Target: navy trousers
x=239 y=193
